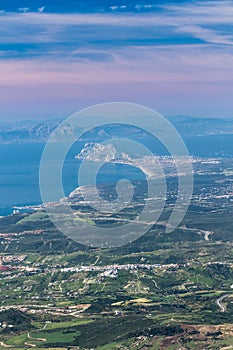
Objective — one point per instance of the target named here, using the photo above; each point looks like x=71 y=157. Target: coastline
x=20 y=208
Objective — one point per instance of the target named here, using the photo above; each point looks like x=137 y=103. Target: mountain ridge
x=30 y=131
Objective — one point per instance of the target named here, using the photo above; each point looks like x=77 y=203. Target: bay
x=19 y=167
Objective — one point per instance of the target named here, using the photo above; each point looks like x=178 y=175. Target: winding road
x=220 y=300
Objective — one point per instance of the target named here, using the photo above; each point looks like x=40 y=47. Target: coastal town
x=53 y=290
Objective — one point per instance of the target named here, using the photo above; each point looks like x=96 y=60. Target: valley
x=162 y=291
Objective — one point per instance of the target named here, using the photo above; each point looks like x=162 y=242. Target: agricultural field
x=162 y=291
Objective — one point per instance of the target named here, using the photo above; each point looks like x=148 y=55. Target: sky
x=57 y=57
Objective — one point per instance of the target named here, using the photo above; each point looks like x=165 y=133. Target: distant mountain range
x=39 y=131
x=189 y=126
x=27 y=131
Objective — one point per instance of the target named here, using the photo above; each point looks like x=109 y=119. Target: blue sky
x=59 y=56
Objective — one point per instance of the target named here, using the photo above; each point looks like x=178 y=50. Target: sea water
x=19 y=167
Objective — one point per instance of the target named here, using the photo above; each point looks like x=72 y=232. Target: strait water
x=19 y=168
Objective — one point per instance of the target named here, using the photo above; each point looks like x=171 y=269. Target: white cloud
x=199 y=68
x=208 y=35
x=54 y=28
x=114 y=7
x=202 y=12
x=41 y=9
x=203 y=8
x=183 y=64
x=23 y=9
x=170 y=15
